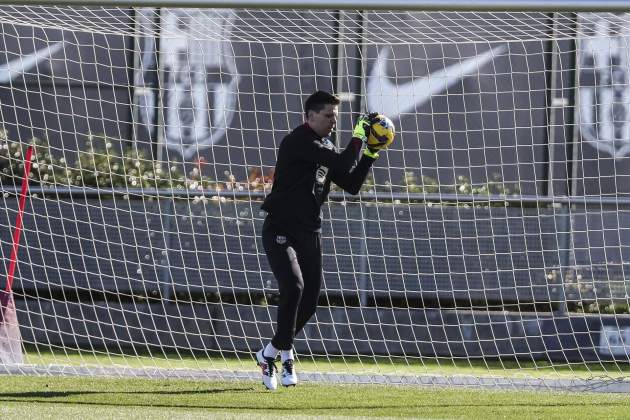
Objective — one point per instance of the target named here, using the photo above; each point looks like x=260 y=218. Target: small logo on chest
x=322 y=171
x=320 y=175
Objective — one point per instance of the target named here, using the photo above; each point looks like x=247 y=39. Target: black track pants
x=296 y=261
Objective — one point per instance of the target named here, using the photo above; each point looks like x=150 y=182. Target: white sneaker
x=269 y=370
x=289 y=378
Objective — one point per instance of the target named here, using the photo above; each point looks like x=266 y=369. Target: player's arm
x=318 y=153
x=352 y=180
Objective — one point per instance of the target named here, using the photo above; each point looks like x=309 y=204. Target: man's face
x=324 y=121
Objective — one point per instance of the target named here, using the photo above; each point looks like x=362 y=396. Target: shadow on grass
x=62 y=394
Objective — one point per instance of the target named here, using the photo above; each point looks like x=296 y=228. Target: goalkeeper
x=307 y=163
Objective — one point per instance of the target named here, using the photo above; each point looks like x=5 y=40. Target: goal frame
x=434 y=5
x=411 y=5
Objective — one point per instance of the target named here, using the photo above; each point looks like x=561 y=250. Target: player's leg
x=310 y=262
x=283 y=261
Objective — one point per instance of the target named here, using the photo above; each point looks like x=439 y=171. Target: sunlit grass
x=132 y=398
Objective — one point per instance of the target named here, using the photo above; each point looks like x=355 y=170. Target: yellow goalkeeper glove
x=362 y=130
x=362 y=126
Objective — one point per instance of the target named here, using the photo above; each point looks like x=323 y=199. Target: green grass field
x=102 y=397
x=86 y=398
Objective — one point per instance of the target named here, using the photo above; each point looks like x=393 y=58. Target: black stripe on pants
x=296 y=261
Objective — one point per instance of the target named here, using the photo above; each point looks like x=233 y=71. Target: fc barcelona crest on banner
x=200 y=78
x=603 y=83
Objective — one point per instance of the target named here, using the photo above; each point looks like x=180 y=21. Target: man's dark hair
x=318 y=100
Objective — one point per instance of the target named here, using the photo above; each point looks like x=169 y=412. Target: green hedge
x=102 y=163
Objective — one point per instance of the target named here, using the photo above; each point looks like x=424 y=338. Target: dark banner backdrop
x=63 y=85
x=229 y=101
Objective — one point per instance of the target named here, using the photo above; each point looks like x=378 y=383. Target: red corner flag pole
x=10 y=338
x=18 y=221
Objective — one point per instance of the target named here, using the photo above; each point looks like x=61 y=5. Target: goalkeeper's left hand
x=362 y=126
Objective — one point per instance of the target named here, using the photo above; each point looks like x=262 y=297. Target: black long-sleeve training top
x=305 y=167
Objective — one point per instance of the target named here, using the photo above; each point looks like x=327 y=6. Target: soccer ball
x=381 y=132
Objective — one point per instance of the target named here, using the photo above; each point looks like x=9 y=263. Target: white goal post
x=489 y=246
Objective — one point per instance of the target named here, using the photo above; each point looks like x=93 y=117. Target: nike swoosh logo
x=14 y=68
x=396 y=98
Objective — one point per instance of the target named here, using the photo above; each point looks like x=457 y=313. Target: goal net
x=489 y=245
